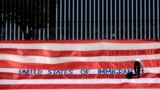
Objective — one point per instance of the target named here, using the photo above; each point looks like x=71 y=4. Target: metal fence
x=27 y=19
x=79 y=19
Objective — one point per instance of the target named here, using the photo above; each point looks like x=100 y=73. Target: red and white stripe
x=77 y=55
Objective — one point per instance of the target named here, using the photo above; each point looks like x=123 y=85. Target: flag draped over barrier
x=78 y=64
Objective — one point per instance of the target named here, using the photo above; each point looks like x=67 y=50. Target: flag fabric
x=86 y=64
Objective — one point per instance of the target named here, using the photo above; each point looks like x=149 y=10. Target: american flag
x=86 y=64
